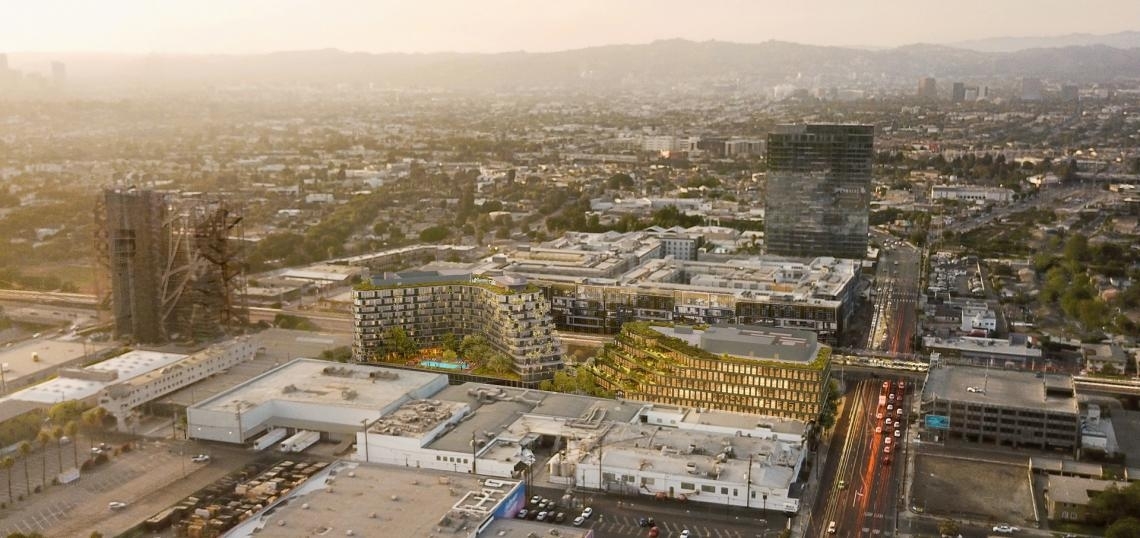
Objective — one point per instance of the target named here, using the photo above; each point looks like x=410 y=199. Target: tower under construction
x=174 y=268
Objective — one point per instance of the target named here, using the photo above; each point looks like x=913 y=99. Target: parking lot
x=147 y=479
x=619 y=516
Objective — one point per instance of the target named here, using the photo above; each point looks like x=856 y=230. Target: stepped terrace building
x=510 y=313
x=737 y=368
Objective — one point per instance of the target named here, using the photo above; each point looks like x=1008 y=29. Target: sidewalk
x=808 y=495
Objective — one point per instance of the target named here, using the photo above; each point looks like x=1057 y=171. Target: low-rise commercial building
x=416 y=420
x=121 y=398
x=1017 y=351
x=1001 y=407
x=971 y=193
x=597 y=282
x=1067 y=497
x=745 y=369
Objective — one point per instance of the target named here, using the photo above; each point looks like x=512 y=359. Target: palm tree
x=7 y=463
x=92 y=419
x=25 y=451
x=72 y=431
x=43 y=438
x=57 y=434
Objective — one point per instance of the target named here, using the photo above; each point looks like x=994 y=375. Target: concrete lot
x=979 y=490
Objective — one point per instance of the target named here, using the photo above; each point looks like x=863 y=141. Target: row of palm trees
x=91 y=420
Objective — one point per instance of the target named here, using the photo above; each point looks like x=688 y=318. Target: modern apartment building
x=1002 y=407
x=819 y=190
x=737 y=368
x=512 y=314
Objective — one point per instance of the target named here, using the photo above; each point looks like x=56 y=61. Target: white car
x=116 y=505
x=831 y=528
x=1005 y=529
x=878 y=416
x=888 y=440
x=686 y=534
x=587 y=512
x=878 y=429
x=898 y=433
x=578 y=521
x=201 y=458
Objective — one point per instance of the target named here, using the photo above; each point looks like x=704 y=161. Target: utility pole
x=474 y=453
x=748 y=484
x=365 y=421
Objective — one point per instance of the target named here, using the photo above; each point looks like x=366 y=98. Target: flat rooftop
x=126 y=367
x=680 y=452
x=319 y=382
x=278 y=346
x=1006 y=388
x=749 y=341
x=379 y=501
x=51 y=352
x=746 y=422
x=493 y=410
x=968 y=345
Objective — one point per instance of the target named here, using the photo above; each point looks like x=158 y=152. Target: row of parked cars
x=542 y=509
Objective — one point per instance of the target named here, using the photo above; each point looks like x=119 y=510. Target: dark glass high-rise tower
x=819 y=190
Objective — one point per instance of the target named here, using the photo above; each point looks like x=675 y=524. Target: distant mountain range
x=1120 y=40
x=670 y=63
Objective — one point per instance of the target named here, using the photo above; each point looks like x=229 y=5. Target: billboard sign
x=937 y=422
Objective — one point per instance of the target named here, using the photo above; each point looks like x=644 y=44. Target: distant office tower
x=1070 y=92
x=58 y=74
x=1031 y=89
x=970 y=94
x=958 y=94
x=819 y=190
x=928 y=88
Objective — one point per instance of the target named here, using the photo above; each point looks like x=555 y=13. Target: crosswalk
x=877 y=520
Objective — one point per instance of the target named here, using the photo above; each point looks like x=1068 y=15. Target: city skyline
x=212 y=27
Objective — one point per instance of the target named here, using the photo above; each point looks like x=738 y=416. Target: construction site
x=172 y=269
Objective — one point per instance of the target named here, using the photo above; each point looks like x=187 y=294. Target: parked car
x=1005 y=529
x=831 y=528
x=560 y=517
x=587 y=512
x=522 y=513
x=578 y=521
x=543 y=515
x=116 y=505
x=200 y=458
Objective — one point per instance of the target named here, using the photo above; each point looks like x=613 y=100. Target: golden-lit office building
x=759 y=370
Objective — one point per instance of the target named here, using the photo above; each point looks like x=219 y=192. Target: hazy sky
x=239 y=26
